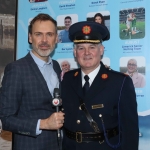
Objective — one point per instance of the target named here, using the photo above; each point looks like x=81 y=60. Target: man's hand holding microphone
x=56 y=120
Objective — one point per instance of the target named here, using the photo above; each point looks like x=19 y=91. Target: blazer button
x=78 y=121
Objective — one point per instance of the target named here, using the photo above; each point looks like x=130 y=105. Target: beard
x=43 y=49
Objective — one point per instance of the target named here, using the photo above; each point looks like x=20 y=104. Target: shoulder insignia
x=104 y=76
x=76 y=73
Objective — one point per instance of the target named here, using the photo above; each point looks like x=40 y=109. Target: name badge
x=97 y=106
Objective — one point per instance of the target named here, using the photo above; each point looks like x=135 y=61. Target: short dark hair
x=102 y=17
x=67 y=17
x=42 y=17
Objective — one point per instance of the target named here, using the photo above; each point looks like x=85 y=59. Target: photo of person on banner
x=132 y=23
x=137 y=78
x=99 y=18
x=136 y=71
x=102 y=17
x=63 y=35
x=63 y=24
x=65 y=66
x=97 y=101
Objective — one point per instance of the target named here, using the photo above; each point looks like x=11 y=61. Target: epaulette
x=108 y=68
x=72 y=71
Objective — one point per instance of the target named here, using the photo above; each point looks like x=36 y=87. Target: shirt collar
x=40 y=62
x=91 y=75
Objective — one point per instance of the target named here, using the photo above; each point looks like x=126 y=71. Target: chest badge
x=104 y=76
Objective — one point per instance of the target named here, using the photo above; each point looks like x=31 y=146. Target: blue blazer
x=116 y=92
x=24 y=99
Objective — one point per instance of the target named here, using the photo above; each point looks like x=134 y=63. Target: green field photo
x=140 y=26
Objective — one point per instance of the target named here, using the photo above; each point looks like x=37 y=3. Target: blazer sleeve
x=129 y=117
x=10 y=101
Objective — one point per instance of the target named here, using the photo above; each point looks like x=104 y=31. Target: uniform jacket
x=24 y=99
x=116 y=92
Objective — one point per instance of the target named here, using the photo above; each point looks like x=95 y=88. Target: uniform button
x=100 y=115
x=78 y=121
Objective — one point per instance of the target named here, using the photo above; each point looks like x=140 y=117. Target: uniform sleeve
x=129 y=117
x=10 y=101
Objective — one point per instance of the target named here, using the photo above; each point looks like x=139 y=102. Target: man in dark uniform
x=101 y=108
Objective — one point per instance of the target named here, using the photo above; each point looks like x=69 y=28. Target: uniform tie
x=86 y=85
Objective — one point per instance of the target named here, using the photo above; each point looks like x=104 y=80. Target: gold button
x=78 y=121
x=100 y=115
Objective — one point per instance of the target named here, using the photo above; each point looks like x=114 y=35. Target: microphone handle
x=58 y=130
x=57 y=109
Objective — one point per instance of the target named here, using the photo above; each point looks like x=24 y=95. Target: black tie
x=86 y=85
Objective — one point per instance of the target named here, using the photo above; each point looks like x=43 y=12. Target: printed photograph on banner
x=135 y=68
x=63 y=24
x=132 y=23
x=102 y=17
x=67 y=64
x=34 y=1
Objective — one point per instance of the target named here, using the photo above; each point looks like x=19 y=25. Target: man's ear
x=101 y=49
x=29 y=38
x=74 y=51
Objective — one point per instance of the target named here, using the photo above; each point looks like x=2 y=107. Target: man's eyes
x=80 y=48
x=38 y=34
x=92 y=47
x=48 y=34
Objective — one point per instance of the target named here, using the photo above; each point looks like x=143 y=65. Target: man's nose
x=44 y=37
x=86 y=51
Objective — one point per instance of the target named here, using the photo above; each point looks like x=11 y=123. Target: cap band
x=86 y=41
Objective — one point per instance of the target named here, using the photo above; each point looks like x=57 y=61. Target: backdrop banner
x=127 y=48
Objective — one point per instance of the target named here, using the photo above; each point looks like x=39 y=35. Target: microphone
x=56 y=102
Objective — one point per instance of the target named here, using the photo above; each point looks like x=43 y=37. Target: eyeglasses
x=67 y=21
x=133 y=65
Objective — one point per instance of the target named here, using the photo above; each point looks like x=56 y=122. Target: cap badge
x=86 y=29
x=104 y=76
x=76 y=74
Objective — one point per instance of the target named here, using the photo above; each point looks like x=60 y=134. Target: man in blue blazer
x=99 y=103
x=27 y=91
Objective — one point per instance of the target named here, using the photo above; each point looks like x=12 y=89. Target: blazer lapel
x=38 y=75
x=57 y=69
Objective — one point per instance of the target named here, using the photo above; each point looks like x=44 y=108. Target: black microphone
x=57 y=102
